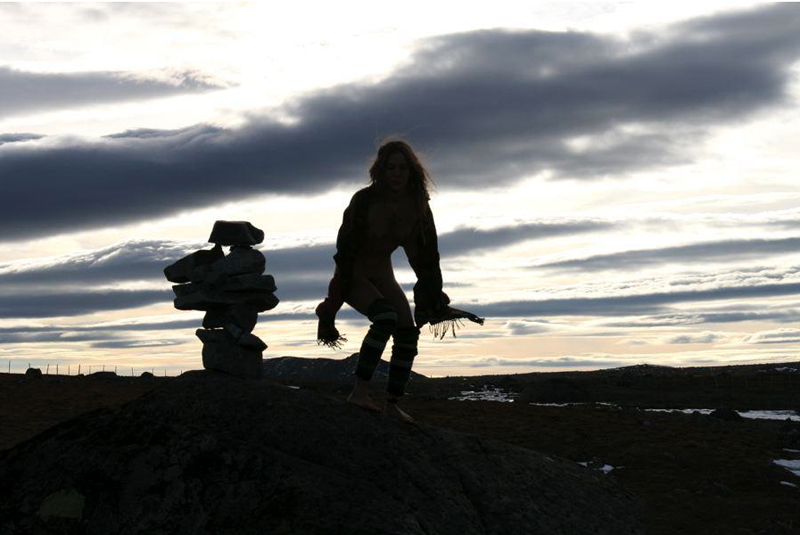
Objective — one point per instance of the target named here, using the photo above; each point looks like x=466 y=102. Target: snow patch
x=596 y=464
x=791 y=465
x=488 y=393
x=752 y=415
x=771 y=415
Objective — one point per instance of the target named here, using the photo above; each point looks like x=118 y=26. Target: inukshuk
x=232 y=289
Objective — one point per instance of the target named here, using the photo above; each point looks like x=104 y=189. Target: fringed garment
x=431 y=304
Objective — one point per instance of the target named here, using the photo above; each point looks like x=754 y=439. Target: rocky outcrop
x=210 y=453
x=323 y=369
x=232 y=290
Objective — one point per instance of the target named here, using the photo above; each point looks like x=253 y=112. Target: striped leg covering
x=404 y=350
x=384 y=321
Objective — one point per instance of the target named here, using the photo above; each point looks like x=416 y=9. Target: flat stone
x=240 y=261
x=222 y=353
x=186 y=289
x=180 y=270
x=243 y=316
x=249 y=283
x=216 y=300
x=235 y=233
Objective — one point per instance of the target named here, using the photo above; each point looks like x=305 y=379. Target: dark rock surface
x=33 y=373
x=727 y=414
x=104 y=376
x=208 y=453
x=322 y=369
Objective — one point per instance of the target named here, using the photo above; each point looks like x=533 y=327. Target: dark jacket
x=422 y=250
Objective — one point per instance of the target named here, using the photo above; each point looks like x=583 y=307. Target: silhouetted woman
x=391 y=212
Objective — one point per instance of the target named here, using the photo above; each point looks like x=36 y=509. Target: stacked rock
x=232 y=290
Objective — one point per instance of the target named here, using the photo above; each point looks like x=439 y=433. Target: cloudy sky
x=616 y=183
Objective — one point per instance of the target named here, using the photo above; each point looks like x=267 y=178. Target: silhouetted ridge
x=208 y=453
x=322 y=369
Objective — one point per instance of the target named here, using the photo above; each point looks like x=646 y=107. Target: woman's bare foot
x=360 y=397
x=393 y=410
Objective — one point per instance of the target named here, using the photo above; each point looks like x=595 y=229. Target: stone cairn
x=232 y=289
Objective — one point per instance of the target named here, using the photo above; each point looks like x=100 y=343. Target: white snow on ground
x=791 y=451
x=771 y=415
x=490 y=393
x=594 y=464
x=684 y=411
x=558 y=404
x=600 y=404
x=487 y=394
x=791 y=465
x=786 y=369
x=789 y=484
x=753 y=415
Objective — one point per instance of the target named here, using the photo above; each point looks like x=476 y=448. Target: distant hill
x=322 y=369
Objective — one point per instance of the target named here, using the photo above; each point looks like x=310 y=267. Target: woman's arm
x=422 y=250
x=347 y=244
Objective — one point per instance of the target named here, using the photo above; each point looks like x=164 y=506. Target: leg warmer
x=403 y=352
x=384 y=321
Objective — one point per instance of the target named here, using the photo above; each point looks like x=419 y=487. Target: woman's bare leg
x=361 y=295
x=400 y=366
x=393 y=293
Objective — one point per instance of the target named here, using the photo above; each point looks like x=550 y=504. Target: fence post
x=48 y=370
x=56 y=368
x=79 y=369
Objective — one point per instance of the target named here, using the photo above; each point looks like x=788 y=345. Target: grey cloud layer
x=489 y=107
x=301 y=273
x=71 y=303
x=14 y=138
x=24 y=92
x=787 y=315
x=146 y=259
x=719 y=251
x=628 y=305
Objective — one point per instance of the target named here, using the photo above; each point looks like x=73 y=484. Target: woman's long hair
x=419 y=179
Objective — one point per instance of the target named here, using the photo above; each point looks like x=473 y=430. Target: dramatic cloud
x=788 y=315
x=15 y=138
x=46 y=305
x=719 y=251
x=524 y=328
x=493 y=106
x=145 y=259
x=24 y=92
x=778 y=336
x=466 y=240
x=698 y=338
x=629 y=305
